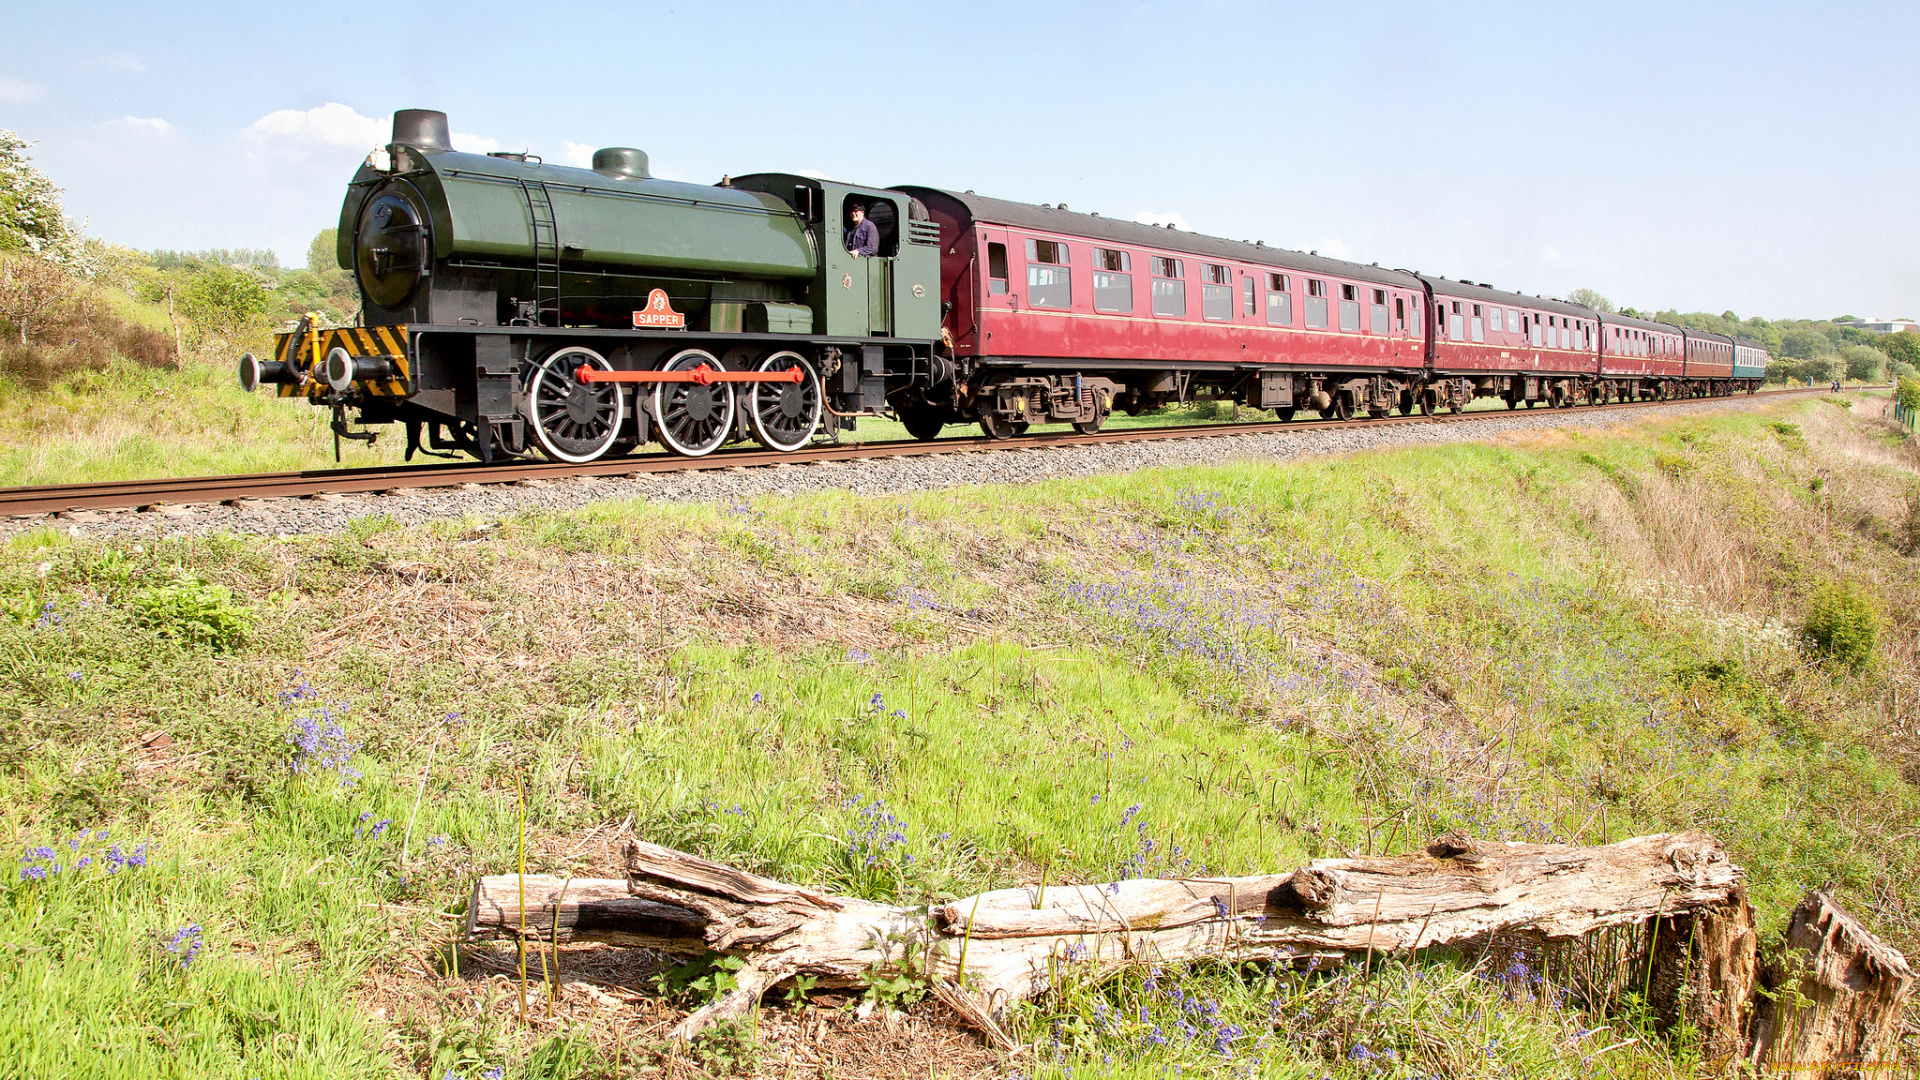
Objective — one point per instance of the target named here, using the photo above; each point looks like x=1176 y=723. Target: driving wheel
x=572 y=421
x=692 y=420
x=784 y=416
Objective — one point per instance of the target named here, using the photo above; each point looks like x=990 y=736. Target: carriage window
x=1513 y=321
x=1316 y=304
x=1349 y=308
x=1047 y=251
x=1049 y=281
x=1216 y=292
x=1457 y=323
x=1400 y=311
x=1112 y=285
x=1378 y=315
x=1534 y=332
x=1479 y=325
x=1495 y=319
x=1169 y=287
x=1248 y=301
x=997 y=269
x=1279 y=300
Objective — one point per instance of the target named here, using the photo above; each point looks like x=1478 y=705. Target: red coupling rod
x=702 y=375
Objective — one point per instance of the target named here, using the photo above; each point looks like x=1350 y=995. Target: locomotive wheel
x=693 y=420
x=573 y=421
x=784 y=416
x=922 y=423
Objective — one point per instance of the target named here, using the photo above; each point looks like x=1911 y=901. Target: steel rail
x=185 y=491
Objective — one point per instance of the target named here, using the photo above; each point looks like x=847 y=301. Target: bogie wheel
x=997 y=428
x=690 y=419
x=1092 y=426
x=923 y=423
x=1408 y=402
x=1426 y=403
x=1286 y=412
x=784 y=416
x=572 y=421
x=1342 y=407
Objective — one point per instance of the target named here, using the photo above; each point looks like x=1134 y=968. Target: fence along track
x=184 y=491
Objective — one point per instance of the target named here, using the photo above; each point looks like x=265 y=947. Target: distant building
x=1883 y=326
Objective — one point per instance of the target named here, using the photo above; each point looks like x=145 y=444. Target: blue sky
x=1754 y=157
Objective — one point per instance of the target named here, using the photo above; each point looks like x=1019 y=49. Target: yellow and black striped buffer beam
x=307 y=354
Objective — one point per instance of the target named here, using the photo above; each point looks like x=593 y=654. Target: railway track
x=187 y=491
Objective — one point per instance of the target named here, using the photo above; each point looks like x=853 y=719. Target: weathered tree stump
x=1835 y=995
x=986 y=952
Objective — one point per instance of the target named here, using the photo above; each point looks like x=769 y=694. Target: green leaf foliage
x=194 y=610
x=1843 y=624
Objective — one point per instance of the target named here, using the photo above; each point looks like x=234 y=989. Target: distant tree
x=322 y=254
x=1730 y=317
x=223 y=301
x=1822 y=368
x=31 y=219
x=1904 y=347
x=1805 y=343
x=1592 y=299
x=261 y=258
x=1863 y=363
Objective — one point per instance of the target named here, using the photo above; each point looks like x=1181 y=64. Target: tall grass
x=1231 y=669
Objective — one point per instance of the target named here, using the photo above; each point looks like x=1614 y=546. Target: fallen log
x=986 y=952
x=1836 y=994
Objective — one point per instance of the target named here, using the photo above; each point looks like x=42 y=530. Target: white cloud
x=474 y=144
x=579 y=155
x=332 y=124
x=20 y=90
x=145 y=125
x=1178 y=221
x=1549 y=254
x=1336 y=248
x=815 y=174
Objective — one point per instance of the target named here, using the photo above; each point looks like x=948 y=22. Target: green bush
x=1843 y=624
x=195 y=610
x=1909 y=392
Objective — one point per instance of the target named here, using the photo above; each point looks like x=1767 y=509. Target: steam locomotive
x=510 y=306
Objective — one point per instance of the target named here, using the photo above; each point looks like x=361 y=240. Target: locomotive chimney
x=422 y=129
x=621 y=162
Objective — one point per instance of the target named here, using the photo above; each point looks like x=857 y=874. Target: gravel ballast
x=871 y=476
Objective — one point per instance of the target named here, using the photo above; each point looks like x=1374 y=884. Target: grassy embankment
x=1568 y=636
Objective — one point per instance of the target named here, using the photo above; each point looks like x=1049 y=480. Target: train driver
x=863 y=239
